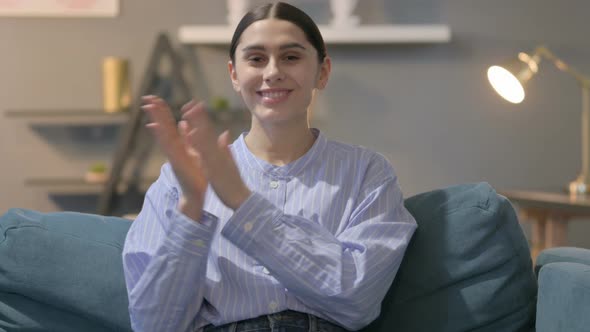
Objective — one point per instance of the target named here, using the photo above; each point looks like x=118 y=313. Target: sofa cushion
x=467 y=268
x=21 y=314
x=69 y=261
x=564 y=297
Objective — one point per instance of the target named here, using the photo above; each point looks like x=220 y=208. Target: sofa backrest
x=467 y=268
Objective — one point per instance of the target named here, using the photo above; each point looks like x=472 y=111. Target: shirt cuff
x=188 y=236
x=254 y=216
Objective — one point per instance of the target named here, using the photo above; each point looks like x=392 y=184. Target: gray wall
x=428 y=108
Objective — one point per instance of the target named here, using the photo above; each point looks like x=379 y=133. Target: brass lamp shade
x=509 y=80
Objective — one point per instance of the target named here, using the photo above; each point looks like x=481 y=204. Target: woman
x=282 y=228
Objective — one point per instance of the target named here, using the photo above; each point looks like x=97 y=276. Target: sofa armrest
x=562 y=254
x=563 y=297
x=70 y=261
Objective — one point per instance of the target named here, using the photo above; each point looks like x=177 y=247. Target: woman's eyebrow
x=292 y=45
x=282 y=47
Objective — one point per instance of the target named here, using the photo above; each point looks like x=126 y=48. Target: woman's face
x=276 y=70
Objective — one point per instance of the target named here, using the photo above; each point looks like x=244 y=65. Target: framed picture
x=59 y=8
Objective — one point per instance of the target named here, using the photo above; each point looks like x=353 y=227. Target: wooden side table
x=549 y=213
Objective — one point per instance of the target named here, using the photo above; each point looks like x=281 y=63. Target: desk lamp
x=509 y=81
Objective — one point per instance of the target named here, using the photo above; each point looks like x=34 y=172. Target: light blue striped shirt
x=323 y=235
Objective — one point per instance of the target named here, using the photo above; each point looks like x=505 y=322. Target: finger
x=161 y=119
x=223 y=143
x=154 y=102
x=198 y=120
x=183 y=130
x=148 y=97
x=185 y=162
x=163 y=126
x=177 y=153
x=170 y=145
x=223 y=140
x=188 y=106
x=204 y=144
x=202 y=133
x=163 y=105
x=196 y=116
x=159 y=111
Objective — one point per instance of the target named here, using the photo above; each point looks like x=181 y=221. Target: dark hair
x=281 y=11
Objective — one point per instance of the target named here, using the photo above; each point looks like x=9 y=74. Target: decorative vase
x=116 y=86
x=236 y=9
x=342 y=13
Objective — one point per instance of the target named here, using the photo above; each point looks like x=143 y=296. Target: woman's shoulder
x=361 y=157
x=351 y=149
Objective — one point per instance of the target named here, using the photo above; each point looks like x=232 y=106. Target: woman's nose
x=273 y=72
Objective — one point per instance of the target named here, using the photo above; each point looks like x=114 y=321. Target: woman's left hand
x=216 y=158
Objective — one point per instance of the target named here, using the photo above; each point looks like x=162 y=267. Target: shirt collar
x=293 y=168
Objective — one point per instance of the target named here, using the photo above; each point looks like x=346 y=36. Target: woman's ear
x=233 y=76
x=324 y=74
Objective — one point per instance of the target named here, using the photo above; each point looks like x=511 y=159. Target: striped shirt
x=323 y=235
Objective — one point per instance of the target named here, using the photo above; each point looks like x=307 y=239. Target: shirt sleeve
x=344 y=277
x=165 y=260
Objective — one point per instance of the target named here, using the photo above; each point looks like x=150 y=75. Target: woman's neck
x=279 y=145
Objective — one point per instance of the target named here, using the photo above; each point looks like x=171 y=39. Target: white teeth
x=274 y=95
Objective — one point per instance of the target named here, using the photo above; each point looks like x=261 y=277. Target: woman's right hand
x=185 y=161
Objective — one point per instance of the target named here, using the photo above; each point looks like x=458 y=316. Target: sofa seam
x=484 y=206
x=61 y=308
x=54 y=232
x=564 y=259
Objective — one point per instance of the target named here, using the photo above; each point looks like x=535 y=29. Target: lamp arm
x=582 y=183
x=548 y=54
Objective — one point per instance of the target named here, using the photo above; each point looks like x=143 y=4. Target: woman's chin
x=277 y=116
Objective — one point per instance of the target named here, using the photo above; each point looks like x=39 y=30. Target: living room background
x=428 y=108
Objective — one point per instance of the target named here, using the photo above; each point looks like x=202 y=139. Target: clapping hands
x=197 y=155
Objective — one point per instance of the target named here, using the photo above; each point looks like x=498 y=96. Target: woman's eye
x=255 y=59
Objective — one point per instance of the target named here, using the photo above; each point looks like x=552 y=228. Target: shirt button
x=273 y=305
x=248 y=227
x=274 y=184
x=265 y=270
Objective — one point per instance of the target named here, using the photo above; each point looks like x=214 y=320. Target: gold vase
x=116 y=86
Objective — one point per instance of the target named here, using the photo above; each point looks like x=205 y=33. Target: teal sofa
x=467 y=268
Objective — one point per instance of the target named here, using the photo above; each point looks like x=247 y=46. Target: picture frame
x=59 y=8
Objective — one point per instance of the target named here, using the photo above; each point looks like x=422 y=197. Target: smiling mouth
x=273 y=97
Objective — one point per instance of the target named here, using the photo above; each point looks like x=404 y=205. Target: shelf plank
x=78 y=185
x=362 y=34
x=99 y=117
x=69 y=117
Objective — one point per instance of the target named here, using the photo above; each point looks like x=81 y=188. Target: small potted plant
x=220 y=107
x=97 y=173
x=219 y=103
